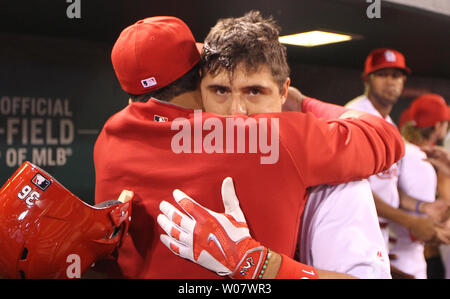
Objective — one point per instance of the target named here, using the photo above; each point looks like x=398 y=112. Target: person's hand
x=422 y=228
x=439 y=157
x=294 y=100
x=442 y=235
x=438 y=210
x=220 y=242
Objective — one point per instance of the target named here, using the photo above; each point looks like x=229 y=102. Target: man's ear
x=365 y=78
x=284 y=93
x=365 y=81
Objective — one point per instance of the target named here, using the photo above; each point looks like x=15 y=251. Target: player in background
x=435 y=266
x=427 y=126
x=437 y=255
x=339 y=229
x=135 y=150
x=384 y=77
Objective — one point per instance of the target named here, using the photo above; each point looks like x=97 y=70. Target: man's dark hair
x=188 y=82
x=251 y=40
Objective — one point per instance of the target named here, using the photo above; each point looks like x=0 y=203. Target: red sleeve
x=340 y=150
x=321 y=109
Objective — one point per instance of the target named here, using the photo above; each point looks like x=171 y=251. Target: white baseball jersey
x=340 y=231
x=417 y=179
x=383 y=184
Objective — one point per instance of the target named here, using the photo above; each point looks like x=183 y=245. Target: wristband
x=252 y=264
x=291 y=269
x=418 y=205
x=265 y=263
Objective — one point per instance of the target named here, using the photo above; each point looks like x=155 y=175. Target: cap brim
x=406 y=69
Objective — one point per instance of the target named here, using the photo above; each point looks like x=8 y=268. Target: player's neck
x=383 y=108
x=189 y=100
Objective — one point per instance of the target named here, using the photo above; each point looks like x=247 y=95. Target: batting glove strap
x=251 y=265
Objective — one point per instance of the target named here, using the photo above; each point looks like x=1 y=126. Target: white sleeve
x=341 y=231
x=417 y=177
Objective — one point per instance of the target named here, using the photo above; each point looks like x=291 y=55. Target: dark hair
x=188 y=82
x=251 y=40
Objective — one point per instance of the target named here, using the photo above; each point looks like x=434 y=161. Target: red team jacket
x=134 y=151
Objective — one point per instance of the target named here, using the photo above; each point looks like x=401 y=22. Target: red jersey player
x=135 y=151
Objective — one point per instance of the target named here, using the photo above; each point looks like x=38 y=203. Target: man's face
x=386 y=85
x=442 y=130
x=243 y=93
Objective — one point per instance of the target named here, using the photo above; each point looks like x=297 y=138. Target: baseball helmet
x=47 y=232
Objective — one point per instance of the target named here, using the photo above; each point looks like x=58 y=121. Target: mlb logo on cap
x=41 y=182
x=149 y=82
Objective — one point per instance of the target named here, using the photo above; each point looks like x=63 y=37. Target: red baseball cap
x=152 y=53
x=429 y=109
x=404 y=118
x=384 y=58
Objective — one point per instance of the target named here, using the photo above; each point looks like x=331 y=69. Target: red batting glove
x=220 y=242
